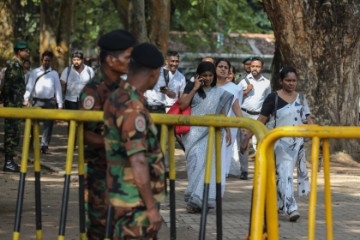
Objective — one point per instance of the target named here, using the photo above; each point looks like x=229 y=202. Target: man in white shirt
x=169 y=87
x=74 y=78
x=256 y=88
x=43 y=85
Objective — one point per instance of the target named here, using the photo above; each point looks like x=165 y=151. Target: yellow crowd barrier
x=265 y=154
x=214 y=123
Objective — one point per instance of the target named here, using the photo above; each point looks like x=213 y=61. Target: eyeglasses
x=223 y=66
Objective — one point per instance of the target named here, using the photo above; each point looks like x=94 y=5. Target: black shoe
x=10 y=166
x=244 y=176
x=44 y=150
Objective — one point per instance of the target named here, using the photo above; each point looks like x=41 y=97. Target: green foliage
x=93 y=18
x=210 y=16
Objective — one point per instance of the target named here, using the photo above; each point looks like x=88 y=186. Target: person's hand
x=154 y=219
x=26 y=103
x=198 y=82
x=250 y=87
x=245 y=138
x=164 y=89
x=228 y=137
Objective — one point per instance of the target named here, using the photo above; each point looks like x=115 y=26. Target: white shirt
x=176 y=84
x=76 y=81
x=46 y=87
x=253 y=100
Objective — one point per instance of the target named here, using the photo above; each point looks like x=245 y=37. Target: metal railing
x=76 y=117
x=265 y=153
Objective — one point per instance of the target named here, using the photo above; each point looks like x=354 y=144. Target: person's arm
x=309 y=120
x=29 y=88
x=58 y=90
x=262 y=119
x=93 y=139
x=168 y=92
x=141 y=174
x=237 y=109
x=185 y=99
x=248 y=89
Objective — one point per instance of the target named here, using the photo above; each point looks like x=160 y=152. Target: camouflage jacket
x=14 y=83
x=129 y=129
x=93 y=97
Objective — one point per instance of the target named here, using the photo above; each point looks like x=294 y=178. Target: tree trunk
x=65 y=29
x=160 y=23
x=136 y=22
x=122 y=7
x=48 y=29
x=321 y=39
x=6 y=29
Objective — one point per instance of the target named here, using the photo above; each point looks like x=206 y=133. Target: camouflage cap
x=20 y=44
x=246 y=60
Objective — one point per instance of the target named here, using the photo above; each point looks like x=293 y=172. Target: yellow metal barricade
x=215 y=123
x=265 y=153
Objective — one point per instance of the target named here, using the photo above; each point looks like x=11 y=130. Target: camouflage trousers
x=95 y=180
x=132 y=223
x=12 y=131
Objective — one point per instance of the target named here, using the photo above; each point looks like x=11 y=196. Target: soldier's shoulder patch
x=140 y=123
x=88 y=102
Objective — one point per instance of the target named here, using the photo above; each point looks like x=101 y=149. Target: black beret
x=116 y=40
x=20 y=45
x=247 y=59
x=147 y=55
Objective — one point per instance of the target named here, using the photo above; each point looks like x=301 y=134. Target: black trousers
x=71 y=105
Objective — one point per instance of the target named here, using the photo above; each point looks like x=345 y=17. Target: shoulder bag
x=175 y=109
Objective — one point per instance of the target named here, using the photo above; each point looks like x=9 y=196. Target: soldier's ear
x=109 y=60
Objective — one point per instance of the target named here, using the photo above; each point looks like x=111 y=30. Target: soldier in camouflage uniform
x=135 y=170
x=13 y=92
x=116 y=47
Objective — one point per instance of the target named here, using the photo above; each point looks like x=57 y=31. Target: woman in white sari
x=286 y=107
x=229 y=154
x=204 y=98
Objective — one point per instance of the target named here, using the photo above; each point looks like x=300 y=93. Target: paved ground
x=345 y=181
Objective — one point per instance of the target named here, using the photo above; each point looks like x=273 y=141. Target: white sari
x=289 y=152
x=196 y=143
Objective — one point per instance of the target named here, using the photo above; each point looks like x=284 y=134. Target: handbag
x=175 y=109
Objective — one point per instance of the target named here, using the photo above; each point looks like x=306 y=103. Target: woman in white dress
x=286 y=107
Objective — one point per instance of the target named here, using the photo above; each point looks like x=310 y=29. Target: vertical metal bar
x=260 y=189
x=219 y=234
x=23 y=169
x=327 y=190
x=313 y=189
x=37 y=169
x=172 y=177
x=208 y=167
x=271 y=195
x=109 y=219
x=68 y=168
x=81 y=171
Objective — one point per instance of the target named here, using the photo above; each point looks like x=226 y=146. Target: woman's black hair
x=206 y=67
x=285 y=70
x=222 y=60
x=233 y=69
